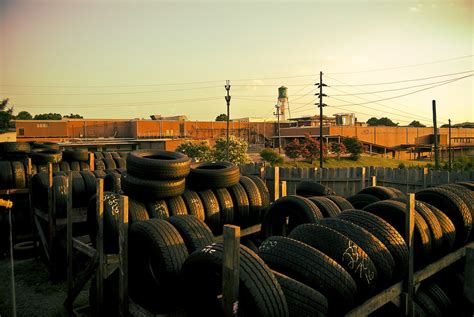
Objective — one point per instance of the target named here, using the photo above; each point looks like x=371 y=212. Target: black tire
x=79 y=155
x=195 y=233
x=45 y=145
x=40 y=188
x=56 y=168
x=212 y=175
x=99 y=173
x=427 y=304
x=327 y=207
x=75 y=166
x=434 y=226
x=136 y=211
x=176 y=206
x=359 y=201
x=439 y=297
x=90 y=183
x=107 y=155
x=263 y=189
x=419 y=312
x=60 y=193
x=64 y=166
x=157 y=209
x=465 y=194
x=15 y=147
x=312 y=267
x=19 y=175
x=398 y=193
x=124 y=155
x=449 y=231
x=42 y=168
x=150 y=189
x=255 y=201
x=386 y=233
x=194 y=204
x=226 y=206
x=374 y=248
x=42 y=156
x=78 y=190
x=241 y=205
x=302 y=300
x=297 y=209
x=158 y=164
x=342 y=250
x=115 y=155
x=156 y=255
x=120 y=162
x=99 y=165
x=211 y=210
x=453 y=207
x=394 y=213
x=341 y=202
x=84 y=166
x=312 y=188
x=382 y=193
x=467 y=185
x=98 y=155
x=109 y=164
x=112 y=182
x=259 y=292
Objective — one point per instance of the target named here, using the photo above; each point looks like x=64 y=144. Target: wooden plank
x=276 y=183
x=83 y=247
x=373 y=181
x=31 y=207
x=81 y=281
x=42 y=236
x=376 y=301
x=100 y=245
x=362 y=177
x=469 y=275
x=231 y=270
x=123 y=256
x=51 y=222
x=78 y=215
x=69 y=242
x=91 y=161
x=243 y=232
x=409 y=285
x=283 y=188
x=14 y=191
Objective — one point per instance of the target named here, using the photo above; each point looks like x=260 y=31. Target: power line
x=394 y=89
x=405 y=66
x=403 y=81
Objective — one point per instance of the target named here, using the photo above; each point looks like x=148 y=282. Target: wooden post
x=425 y=177
x=362 y=178
x=100 y=245
x=469 y=275
x=51 y=221
x=283 y=188
x=374 y=181
x=123 y=256
x=91 y=161
x=32 y=207
x=262 y=173
x=69 y=237
x=231 y=270
x=276 y=183
x=409 y=287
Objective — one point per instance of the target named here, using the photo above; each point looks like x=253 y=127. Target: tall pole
x=435 y=132
x=449 y=145
x=277 y=113
x=321 y=105
x=227 y=99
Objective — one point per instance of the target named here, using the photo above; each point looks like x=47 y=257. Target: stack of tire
x=321 y=194
x=44 y=153
x=110 y=160
x=74 y=160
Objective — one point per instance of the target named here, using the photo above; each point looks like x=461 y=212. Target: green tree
x=73 y=116
x=6 y=114
x=221 y=117
x=48 y=116
x=373 y=121
x=338 y=148
x=237 y=150
x=293 y=149
x=381 y=122
x=271 y=156
x=353 y=146
x=197 y=151
x=310 y=148
x=24 y=115
x=416 y=124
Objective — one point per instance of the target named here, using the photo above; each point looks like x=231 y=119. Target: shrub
x=338 y=148
x=310 y=149
x=271 y=156
x=354 y=147
x=199 y=152
x=401 y=165
x=293 y=149
x=237 y=150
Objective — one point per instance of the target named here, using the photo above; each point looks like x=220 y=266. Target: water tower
x=283 y=101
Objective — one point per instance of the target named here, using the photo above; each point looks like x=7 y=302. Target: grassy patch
x=363 y=161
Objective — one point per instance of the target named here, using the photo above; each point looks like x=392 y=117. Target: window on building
x=21 y=132
x=41 y=125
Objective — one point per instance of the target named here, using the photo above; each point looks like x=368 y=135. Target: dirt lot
x=35 y=294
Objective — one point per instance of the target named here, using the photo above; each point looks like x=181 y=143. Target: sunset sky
x=130 y=59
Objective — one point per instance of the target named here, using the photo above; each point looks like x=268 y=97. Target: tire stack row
x=110 y=160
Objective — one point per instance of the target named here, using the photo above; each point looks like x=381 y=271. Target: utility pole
x=227 y=99
x=450 y=161
x=320 y=105
x=435 y=132
x=277 y=113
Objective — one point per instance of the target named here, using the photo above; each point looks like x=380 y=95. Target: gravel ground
x=36 y=295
